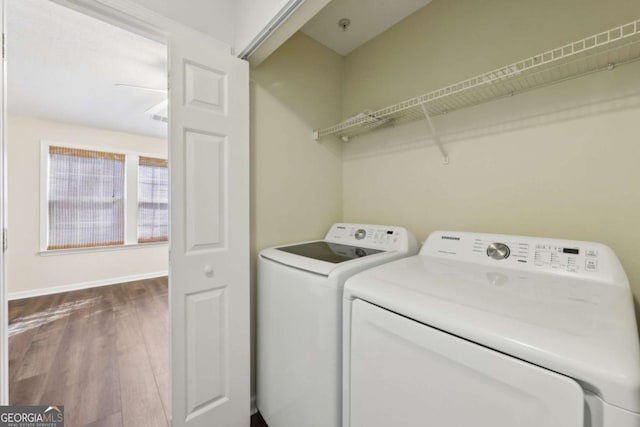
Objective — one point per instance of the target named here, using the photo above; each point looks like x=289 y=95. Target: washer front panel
x=402 y=372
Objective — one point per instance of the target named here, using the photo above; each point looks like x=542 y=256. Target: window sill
x=55 y=252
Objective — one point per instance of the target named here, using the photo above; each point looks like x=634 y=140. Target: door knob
x=208 y=271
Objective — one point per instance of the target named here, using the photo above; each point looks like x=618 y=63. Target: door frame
x=4 y=302
x=121 y=13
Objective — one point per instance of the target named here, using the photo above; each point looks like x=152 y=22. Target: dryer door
x=403 y=373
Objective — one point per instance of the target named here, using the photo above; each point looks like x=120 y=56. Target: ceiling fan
x=159 y=111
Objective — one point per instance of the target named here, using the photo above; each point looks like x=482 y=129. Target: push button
x=591 y=265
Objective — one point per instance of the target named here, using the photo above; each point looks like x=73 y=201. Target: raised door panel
x=206 y=213
x=206 y=351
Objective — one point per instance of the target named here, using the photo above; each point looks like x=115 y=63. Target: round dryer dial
x=360 y=234
x=498 y=251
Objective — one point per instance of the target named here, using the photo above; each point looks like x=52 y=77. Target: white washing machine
x=492 y=331
x=299 y=319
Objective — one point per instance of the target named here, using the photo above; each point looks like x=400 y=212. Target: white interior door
x=209 y=261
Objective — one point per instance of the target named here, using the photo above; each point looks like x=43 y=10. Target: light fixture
x=344 y=23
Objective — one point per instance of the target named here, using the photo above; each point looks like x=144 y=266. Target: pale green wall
x=448 y=41
x=558 y=162
x=296 y=183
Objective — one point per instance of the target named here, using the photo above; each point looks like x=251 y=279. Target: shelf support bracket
x=434 y=134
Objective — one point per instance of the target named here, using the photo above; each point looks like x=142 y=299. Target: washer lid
x=320 y=257
x=346 y=248
x=584 y=329
x=334 y=253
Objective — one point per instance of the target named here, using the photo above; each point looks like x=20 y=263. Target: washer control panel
x=372 y=236
x=565 y=257
x=573 y=258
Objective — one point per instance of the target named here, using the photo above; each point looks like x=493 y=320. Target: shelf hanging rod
x=434 y=134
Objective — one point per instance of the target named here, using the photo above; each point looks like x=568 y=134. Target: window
x=153 y=200
x=86 y=198
x=96 y=198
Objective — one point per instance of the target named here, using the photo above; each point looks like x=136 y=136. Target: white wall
x=213 y=17
x=561 y=161
x=236 y=22
x=252 y=16
x=26 y=270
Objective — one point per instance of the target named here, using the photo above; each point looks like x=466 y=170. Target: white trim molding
x=290 y=19
x=84 y=285
x=272 y=26
x=4 y=308
x=75 y=251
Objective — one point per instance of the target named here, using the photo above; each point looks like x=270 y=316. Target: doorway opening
x=88 y=187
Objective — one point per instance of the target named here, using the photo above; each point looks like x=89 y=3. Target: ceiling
x=368 y=19
x=65 y=66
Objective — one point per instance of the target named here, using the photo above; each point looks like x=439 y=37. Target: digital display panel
x=571 y=251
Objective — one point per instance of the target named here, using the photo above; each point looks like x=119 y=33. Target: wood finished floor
x=100 y=352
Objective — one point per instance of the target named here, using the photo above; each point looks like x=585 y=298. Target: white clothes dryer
x=299 y=319
x=492 y=331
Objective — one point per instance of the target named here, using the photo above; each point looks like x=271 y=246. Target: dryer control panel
x=383 y=237
x=565 y=257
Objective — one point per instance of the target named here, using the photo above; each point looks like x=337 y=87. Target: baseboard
x=254 y=408
x=84 y=285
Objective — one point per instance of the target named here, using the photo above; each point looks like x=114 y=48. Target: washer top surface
x=345 y=247
x=562 y=305
x=330 y=252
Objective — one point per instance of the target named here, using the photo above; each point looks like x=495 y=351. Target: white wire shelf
x=598 y=52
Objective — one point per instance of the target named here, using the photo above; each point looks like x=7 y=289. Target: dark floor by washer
x=258 y=421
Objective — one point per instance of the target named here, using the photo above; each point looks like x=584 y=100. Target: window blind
x=86 y=198
x=153 y=200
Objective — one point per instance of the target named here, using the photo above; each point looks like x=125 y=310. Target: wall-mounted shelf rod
x=602 y=51
x=434 y=134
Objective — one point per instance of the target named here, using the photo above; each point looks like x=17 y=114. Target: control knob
x=360 y=234
x=498 y=251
